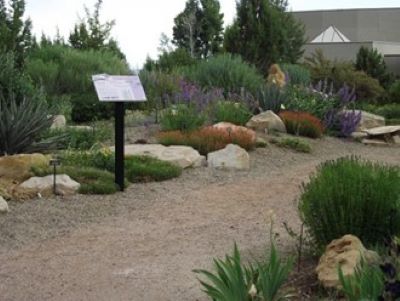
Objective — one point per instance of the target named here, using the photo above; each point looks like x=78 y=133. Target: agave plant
x=21 y=125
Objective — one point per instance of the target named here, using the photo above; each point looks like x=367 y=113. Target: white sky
x=139 y=23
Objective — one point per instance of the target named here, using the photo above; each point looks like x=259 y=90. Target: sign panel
x=119 y=88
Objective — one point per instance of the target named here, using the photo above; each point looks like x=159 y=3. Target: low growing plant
x=227 y=111
x=352 y=196
x=302 y=124
x=182 y=117
x=208 y=139
x=292 y=143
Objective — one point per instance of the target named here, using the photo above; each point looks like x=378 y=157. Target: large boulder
x=59 y=122
x=44 y=185
x=183 y=156
x=3 y=206
x=347 y=253
x=17 y=168
x=232 y=128
x=266 y=122
x=231 y=157
x=369 y=121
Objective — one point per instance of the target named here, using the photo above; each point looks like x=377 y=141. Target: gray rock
x=3 y=205
x=266 y=122
x=44 y=185
x=384 y=130
x=231 y=157
x=369 y=120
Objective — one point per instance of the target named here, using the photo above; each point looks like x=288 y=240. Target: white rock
x=384 y=130
x=81 y=127
x=59 y=122
x=375 y=142
x=267 y=121
x=368 y=120
x=44 y=185
x=231 y=157
x=183 y=156
x=3 y=205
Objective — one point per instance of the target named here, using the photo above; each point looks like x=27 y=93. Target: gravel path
x=143 y=244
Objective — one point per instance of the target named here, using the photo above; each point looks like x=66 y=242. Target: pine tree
x=264 y=33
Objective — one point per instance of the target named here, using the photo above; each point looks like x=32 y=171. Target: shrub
x=147 y=169
x=389 y=111
x=352 y=196
x=271 y=97
x=394 y=92
x=182 y=117
x=208 y=139
x=227 y=111
x=235 y=281
x=297 y=75
x=293 y=143
x=227 y=72
x=302 y=124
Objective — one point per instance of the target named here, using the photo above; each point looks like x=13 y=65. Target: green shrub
x=394 y=92
x=234 y=281
x=389 y=111
x=352 y=196
x=82 y=139
x=181 y=117
x=293 y=143
x=147 y=169
x=297 y=75
x=228 y=111
x=271 y=97
x=227 y=72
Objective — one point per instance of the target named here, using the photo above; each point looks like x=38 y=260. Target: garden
x=289 y=166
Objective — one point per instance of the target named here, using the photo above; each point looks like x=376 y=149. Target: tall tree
x=264 y=33
x=198 y=28
x=15 y=32
x=90 y=33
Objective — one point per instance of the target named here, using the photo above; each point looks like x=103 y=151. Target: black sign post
x=119 y=145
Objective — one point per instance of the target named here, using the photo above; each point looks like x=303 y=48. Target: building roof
x=330 y=35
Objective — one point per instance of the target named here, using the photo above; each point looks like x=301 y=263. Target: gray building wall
x=359 y=25
x=338 y=51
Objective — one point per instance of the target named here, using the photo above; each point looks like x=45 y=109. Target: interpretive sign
x=111 y=88
x=119 y=89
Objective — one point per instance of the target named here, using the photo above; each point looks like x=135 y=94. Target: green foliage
x=168 y=61
x=15 y=31
x=394 y=92
x=389 y=111
x=234 y=281
x=90 y=33
x=340 y=73
x=366 y=284
x=198 y=28
x=352 y=196
x=373 y=63
x=297 y=75
x=66 y=72
x=296 y=144
x=146 y=169
x=181 y=117
x=227 y=111
x=302 y=124
x=225 y=71
x=22 y=124
x=81 y=139
x=271 y=97
x=265 y=32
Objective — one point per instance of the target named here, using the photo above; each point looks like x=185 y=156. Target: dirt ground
x=143 y=244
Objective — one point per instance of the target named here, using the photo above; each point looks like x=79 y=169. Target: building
x=341 y=33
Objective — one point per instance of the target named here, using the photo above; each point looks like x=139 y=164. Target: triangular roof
x=331 y=35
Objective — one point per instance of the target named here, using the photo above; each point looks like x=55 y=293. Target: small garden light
x=55 y=162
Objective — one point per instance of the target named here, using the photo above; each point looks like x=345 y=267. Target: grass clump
x=147 y=169
x=352 y=196
x=236 y=113
x=295 y=144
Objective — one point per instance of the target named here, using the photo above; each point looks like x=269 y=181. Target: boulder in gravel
x=18 y=167
x=44 y=185
x=369 y=121
x=183 y=156
x=231 y=157
x=3 y=206
x=230 y=127
x=266 y=122
x=346 y=252
x=59 y=122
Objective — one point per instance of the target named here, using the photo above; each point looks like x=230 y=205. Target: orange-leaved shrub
x=208 y=139
x=302 y=124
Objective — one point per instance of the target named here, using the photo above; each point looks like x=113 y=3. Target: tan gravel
x=143 y=244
